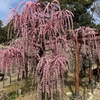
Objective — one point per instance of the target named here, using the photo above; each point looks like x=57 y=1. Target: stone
x=19 y=91
x=68 y=93
x=90 y=94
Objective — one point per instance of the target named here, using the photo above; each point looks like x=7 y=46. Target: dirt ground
x=96 y=96
x=31 y=95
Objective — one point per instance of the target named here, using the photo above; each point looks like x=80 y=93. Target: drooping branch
x=10 y=58
x=50 y=72
x=86 y=37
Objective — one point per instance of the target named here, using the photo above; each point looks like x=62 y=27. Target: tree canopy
x=79 y=9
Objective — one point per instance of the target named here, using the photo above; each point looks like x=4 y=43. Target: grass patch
x=12 y=95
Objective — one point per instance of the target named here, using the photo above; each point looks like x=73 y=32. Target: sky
x=5 y=6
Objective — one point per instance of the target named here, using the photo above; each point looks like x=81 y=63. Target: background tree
x=79 y=8
x=3 y=33
x=98 y=27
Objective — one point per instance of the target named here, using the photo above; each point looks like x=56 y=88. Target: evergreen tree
x=3 y=32
x=79 y=8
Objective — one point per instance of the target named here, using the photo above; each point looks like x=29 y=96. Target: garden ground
x=28 y=89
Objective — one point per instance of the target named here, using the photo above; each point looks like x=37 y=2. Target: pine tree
x=79 y=8
x=3 y=33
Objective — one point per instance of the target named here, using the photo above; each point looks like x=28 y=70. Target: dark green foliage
x=79 y=9
x=3 y=33
x=12 y=95
x=98 y=27
x=1 y=24
x=66 y=74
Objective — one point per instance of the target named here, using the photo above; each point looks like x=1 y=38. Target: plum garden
x=45 y=39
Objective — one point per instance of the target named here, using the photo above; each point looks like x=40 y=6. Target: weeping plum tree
x=45 y=33
x=42 y=30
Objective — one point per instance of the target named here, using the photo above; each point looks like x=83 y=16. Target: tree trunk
x=98 y=72
x=26 y=66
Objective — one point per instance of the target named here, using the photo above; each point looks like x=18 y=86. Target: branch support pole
x=98 y=70
x=90 y=74
x=76 y=96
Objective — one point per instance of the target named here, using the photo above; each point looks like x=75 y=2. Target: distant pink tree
x=10 y=58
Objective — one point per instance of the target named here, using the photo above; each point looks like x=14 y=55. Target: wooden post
x=90 y=74
x=77 y=97
x=98 y=74
x=90 y=77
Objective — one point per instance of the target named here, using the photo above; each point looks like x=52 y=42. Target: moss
x=12 y=95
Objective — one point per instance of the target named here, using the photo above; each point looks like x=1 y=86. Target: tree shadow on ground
x=70 y=83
